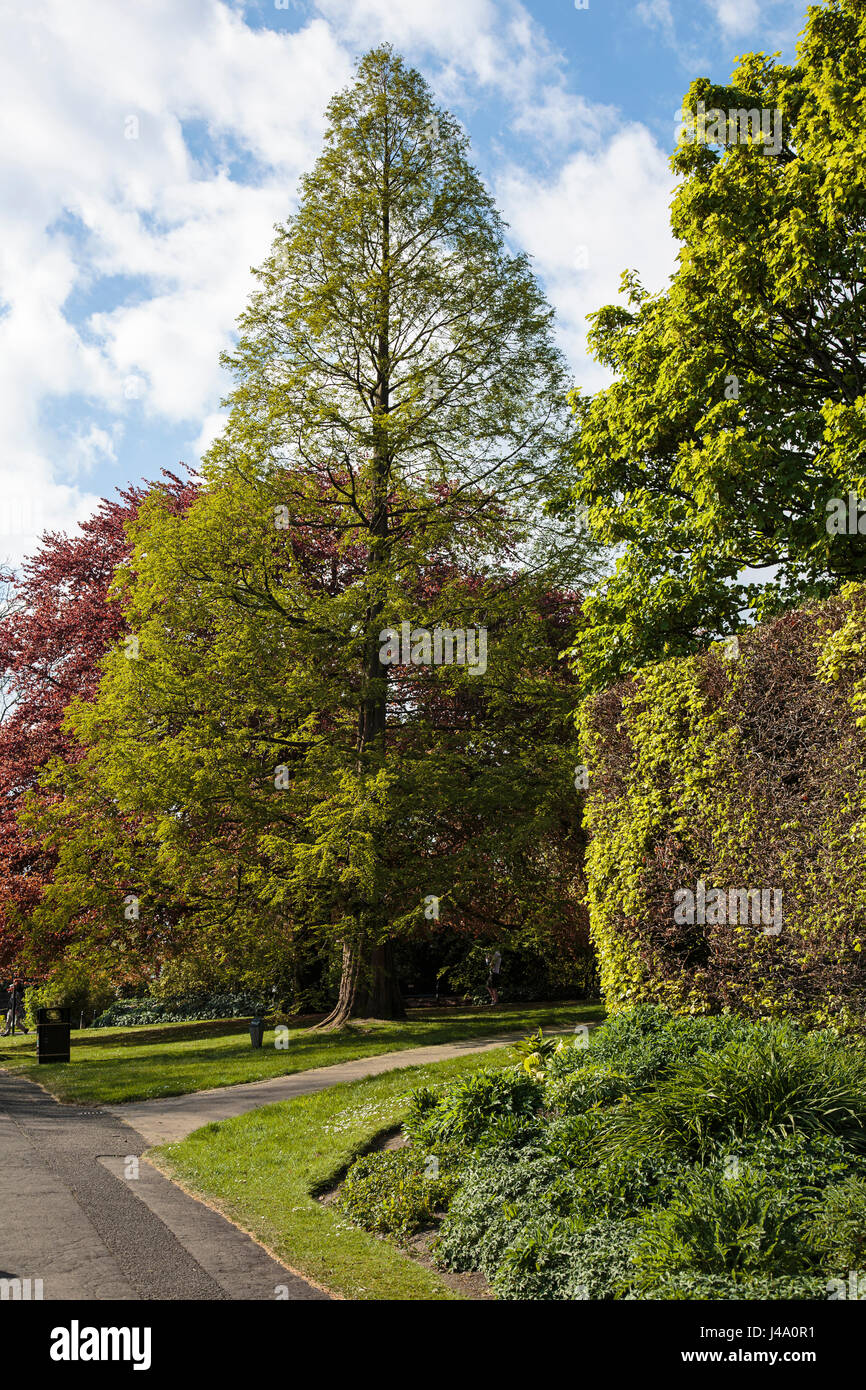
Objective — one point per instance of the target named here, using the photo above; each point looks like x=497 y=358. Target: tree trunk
x=346 y=1006
x=368 y=986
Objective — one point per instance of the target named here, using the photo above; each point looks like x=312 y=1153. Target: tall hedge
x=743 y=771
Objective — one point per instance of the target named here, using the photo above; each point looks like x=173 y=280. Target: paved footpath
x=73 y=1213
x=167 y=1120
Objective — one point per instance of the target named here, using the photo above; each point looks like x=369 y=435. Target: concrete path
x=172 y=1118
x=74 y=1215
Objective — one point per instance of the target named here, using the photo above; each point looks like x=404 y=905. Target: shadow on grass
x=169 y=1062
x=466 y=1019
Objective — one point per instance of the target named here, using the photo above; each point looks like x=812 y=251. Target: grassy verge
x=264 y=1168
x=118 y=1064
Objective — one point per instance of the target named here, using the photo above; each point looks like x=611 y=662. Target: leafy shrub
x=190 y=1009
x=572 y=1139
x=493 y=1204
x=646 y=1042
x=802 y=1165
x=397 y=1191
x=512 y=1132
x=578 y=1091
x=622 y=1184
x=689 y=1284
x=671 y=1158
x=778 y=1081
x=837 y=1232
x=462 y=1111
x=76 y=986
x=536 y=1051
x=722 y=1225
x=729 y=772
x=559 y=1261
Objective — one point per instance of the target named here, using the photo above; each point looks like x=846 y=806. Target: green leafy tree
x=738 y=412
x=399 y=409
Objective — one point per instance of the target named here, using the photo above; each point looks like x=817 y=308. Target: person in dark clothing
x=15 y=1012
x=494 y=963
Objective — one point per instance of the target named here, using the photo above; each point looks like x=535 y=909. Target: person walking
x=16 y=1010
x=494 y=964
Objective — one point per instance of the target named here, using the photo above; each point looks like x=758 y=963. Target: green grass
x=111 y=1065
x=264 y=1168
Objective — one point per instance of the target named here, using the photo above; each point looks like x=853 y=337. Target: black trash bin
x=257 y=1032
x=52 y=1034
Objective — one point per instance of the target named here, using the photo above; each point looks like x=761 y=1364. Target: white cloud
x=79 y=201
x=658 y=15
x=558 y=118
x=604 y=212
x=94 y=446
x=224 y=118
x=462 y=34
x=736 y=17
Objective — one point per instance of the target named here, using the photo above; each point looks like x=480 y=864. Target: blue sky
x=146 y=152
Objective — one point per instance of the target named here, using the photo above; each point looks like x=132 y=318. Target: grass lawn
x=116 y=1064
x=263 y=1168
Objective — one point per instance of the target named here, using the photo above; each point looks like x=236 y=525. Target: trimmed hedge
x=740 y=773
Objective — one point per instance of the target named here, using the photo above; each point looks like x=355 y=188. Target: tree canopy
x=738 y=410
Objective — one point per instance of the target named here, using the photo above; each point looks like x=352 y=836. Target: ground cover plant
x=662 y=1157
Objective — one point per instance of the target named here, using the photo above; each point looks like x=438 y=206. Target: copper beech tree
x=55 y=627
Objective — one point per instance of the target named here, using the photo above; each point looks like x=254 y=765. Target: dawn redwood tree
x=55 y=627
x=397 y=361
x=399 y=410
x=738 y=412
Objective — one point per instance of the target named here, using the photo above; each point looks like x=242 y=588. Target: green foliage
x=837 y=1232
x=720 y=1159
x=536 y=1045
x=645 y=1042
x=721 y=1225
x=689 y=1285
x=464 y=1111
x=741 y=774
x=738 y=408
x=777 y=1082
x=398 y=403
x=397 y=1191
x=561 y=1261
x=182 y=1009
x=580 y=1090
x=497 y=1196
x=75 y=985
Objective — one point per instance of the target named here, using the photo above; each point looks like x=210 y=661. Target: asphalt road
x=80 y=1214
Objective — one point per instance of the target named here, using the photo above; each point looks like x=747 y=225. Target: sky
x=147 y=150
